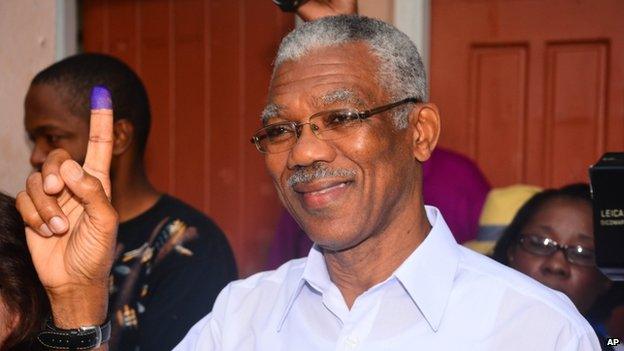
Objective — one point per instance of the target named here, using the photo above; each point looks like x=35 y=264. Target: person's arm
x=315 y=9
x=71 y=225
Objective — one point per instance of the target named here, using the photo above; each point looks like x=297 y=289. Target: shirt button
x=352 y=342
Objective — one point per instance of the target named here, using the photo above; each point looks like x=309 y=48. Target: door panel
x=532 y=90
x=575 y=113
x=498 y=81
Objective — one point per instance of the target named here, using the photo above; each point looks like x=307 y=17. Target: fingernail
x=101 y=98
x=57 y=224
x=51 y=182
x=44 y=230
x=73 y=171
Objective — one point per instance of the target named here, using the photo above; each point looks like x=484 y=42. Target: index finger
x=100 y=147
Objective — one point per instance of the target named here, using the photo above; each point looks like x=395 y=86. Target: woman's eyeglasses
x=542 y=246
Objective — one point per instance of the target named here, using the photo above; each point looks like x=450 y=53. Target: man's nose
x=309 y=149
x=38 y=155
x=556 y=264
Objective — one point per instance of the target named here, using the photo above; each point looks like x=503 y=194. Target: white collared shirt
x=442 y=297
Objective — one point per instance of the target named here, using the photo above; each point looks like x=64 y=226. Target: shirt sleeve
x=182 y=289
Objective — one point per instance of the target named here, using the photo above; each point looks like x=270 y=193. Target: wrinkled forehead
x=345 y=73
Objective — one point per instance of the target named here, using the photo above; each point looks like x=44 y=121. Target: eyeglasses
x=541 y=246
x=325 y=125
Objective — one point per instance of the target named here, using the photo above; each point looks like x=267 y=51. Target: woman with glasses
x=551 y=239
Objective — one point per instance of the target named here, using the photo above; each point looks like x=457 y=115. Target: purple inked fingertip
x=101 y=98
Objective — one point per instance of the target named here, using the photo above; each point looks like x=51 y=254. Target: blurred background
x=531 y=90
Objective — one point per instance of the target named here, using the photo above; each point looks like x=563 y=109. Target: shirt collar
x=315 y=274
x=429 y=272
x=427 y=275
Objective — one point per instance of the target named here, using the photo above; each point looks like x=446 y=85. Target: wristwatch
x=289 y=5
x=83 y=338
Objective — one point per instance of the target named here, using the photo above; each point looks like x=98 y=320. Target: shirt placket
x=358 y=322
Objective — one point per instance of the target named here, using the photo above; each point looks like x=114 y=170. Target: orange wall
x=206 y=65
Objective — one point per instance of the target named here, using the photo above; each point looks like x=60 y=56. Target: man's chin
x=338 y=244
x=335 y=236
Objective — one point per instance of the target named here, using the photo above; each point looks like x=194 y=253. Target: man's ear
x=124 y=134
x=424 y=123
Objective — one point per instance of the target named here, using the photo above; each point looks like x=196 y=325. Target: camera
x=607 y=192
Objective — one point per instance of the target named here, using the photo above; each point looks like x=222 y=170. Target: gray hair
x=401 y=71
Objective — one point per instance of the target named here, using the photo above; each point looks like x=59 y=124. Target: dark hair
x=20 y=287
x=511 y=234
x=75 y=76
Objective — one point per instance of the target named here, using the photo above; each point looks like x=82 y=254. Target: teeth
x=320 y=192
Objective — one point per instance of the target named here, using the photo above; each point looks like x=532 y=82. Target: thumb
x=91 y=195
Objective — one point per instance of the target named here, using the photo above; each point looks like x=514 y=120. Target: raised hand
x=315 y=9
x=71 y=224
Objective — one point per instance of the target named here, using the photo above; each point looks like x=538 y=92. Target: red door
x=206 y=65
x=531 y=90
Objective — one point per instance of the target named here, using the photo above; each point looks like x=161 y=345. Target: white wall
x=413 y=18
x=29 y=33
x=27 y=39
x=410 y=16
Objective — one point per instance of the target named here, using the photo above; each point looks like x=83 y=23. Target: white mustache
x=318 y=171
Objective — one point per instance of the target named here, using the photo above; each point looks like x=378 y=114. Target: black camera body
x=607 y=190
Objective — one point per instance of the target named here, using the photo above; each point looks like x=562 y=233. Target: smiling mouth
x=321 y=194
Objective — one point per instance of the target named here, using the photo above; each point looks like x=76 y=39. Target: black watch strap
x=83 y=338
x=289 y=5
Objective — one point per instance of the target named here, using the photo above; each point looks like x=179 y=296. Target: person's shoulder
x=262 y=292
x=253 y=303
x=488 y=272
x=177 y=209
x=516 y=294
x=279 y=278
x=193 y=234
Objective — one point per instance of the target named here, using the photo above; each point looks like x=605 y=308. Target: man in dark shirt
x=172 y=260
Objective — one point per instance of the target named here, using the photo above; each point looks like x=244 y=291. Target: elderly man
x=346 y=130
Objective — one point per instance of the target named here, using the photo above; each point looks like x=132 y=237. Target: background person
x=551 y=239
x=172 y=260
x=24 y=305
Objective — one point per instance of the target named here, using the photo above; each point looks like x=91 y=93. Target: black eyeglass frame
x=362 y=115
x=554 y=246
